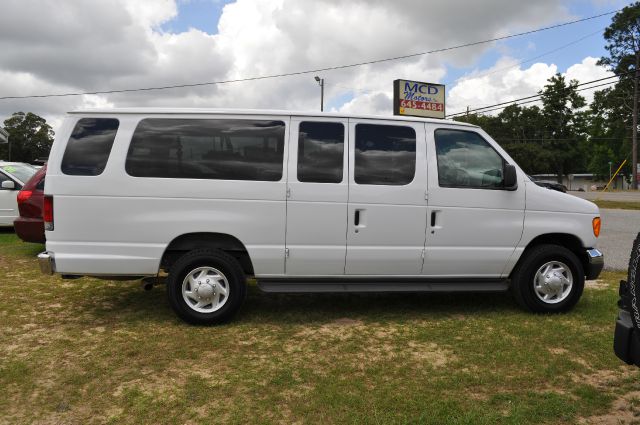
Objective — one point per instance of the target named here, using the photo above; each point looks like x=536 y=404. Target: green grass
x=92 y=351
x=619 y=205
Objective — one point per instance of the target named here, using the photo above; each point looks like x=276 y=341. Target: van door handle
x=356 y=218
x=433 y=219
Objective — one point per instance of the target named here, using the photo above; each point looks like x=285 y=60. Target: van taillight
x=24 y=195
x=47 y=212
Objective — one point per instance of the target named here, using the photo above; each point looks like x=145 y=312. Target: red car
x=29 y=226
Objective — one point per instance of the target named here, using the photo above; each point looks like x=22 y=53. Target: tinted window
x=207 y=149
x=89 y=146
x=320 y=152
x=465 y=159
x=384 y=154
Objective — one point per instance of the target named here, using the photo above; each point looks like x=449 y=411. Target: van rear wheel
x=206 y=287
x=549 y=279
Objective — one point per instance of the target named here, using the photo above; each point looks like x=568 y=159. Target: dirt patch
x=430 y=353
x=558 y=351
x=595 y=284
x=624 y=411
x=345 y=321
x=602 y=379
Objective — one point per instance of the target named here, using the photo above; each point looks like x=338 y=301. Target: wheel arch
x=197 y=240
x=567 y=240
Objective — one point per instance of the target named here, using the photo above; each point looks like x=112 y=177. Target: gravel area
x=619 y=228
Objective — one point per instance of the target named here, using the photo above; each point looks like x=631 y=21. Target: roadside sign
x=418 y=99
x=4 y=136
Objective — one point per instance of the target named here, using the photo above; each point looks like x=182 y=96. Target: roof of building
x=209 y=111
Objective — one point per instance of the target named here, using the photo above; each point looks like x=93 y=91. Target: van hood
x=543 y=199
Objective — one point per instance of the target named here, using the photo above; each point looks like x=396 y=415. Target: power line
x=484 y=74
x=510 y=102
x=529 y=101
x=330 y=68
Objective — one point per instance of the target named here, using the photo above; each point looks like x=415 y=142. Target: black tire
x=522 y=278
x=633 y=283
x=224 y=263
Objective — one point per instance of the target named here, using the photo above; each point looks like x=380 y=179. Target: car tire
x=633 y=283
x=206 y=287
x=548 y=279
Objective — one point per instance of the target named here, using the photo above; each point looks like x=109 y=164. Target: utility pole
x=634 y=130
x=321 y=82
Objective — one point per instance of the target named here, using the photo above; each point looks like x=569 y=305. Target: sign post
x=418 y=99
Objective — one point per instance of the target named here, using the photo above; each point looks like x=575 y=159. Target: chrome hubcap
x=552 y=282
x=205 y=289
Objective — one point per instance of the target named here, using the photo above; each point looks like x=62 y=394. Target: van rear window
x=89 y=146
x=226 y=149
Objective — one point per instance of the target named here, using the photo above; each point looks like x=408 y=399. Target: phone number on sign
x=416 y=104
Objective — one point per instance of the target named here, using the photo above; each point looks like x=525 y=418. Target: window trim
x=106 y=164
x=345 y=146
x=415 y=162
x=452 y=186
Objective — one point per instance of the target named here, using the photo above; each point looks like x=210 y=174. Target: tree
x=551 y=139
x=30 y=137
x=609 y=129
x=564 y=125
x=623 y=45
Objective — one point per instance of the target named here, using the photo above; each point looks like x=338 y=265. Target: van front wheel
x=206 y=287
x=549 y=279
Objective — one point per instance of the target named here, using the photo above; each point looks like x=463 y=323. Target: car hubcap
x=552 y=282
x=205 y=289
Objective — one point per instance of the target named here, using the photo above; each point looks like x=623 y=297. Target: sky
x=49 y=46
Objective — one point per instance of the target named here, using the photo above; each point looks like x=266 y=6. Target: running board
x=335 y=286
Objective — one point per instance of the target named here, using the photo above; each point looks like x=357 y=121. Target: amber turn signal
x=596 y=226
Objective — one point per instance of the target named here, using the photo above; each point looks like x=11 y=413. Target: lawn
x=618 y=205
x=89 y=351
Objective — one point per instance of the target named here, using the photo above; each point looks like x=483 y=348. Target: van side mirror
x=510 y=181
x=9 y=185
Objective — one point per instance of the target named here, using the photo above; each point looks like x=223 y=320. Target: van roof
x=201 y=111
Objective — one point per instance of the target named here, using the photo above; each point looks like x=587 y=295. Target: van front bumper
x=595 y=263
x=47 y=263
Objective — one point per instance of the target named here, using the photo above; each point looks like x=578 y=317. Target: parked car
x=13 y=175
x=626 y=340
x=550 y=184
x=30 y=226
x=307 y=202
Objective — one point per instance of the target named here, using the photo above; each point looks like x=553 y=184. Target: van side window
x=466 y=160
x=226 y=149
x=89 y=146
x=320 y=152
x=384 y=154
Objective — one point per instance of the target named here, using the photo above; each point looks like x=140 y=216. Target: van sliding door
x=387 y=207
x=317 y=193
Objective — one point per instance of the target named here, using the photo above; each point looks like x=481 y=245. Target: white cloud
x=51 y=47
x=506 y=81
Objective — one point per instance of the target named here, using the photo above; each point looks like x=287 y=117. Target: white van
x=307 y=202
